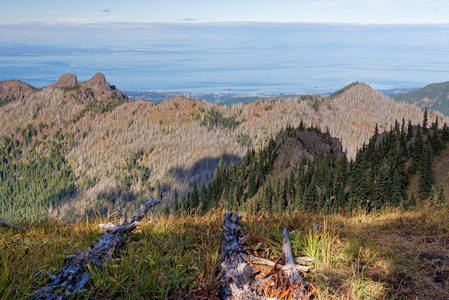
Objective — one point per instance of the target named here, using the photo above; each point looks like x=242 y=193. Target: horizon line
x=196 y=22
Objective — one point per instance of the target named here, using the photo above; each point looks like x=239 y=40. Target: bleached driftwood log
x=238 y=274
x=75 y=274
x=7 y=224
x=238 y=269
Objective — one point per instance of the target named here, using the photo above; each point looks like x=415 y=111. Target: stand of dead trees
x=238 y=269
x=75 y=274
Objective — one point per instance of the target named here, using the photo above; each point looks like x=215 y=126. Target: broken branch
x=74 y=276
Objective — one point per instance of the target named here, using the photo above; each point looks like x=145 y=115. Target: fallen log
x=237 y=267
x=238 y=274
x=7 y=224
x=75 y=274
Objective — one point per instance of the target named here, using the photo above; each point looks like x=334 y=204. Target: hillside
x=12 y=90
x=118 y=152
x=433 y=96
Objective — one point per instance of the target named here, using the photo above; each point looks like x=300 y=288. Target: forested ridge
x=34 y=176
x=117 y=152
x=377 y=176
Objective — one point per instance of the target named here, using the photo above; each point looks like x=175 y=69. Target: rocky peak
x=14 y=88
x=97 y=83
x=66 y=80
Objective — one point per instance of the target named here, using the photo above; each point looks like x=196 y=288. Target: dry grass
x=389 y=255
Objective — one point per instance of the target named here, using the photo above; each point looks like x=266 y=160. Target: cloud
x=187 y=20
x=106 y=11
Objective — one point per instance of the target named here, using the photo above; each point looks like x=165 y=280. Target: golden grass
x=389 y=255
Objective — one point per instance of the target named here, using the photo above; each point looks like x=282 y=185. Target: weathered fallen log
x=238 y=274
x=238 y=270
x=75 y=274
x=7 y=224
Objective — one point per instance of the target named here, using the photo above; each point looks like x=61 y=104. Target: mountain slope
x=433 y=96
x=13 y=90
x=123 y=151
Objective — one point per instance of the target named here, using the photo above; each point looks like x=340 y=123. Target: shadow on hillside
x=203 y=170
x=115 y=202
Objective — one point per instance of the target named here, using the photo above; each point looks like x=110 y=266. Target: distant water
x=240 y=58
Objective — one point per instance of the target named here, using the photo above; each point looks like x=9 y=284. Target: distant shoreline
x=228 y=97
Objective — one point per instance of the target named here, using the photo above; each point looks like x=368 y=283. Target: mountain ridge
x=433 y=96
x=123 y=150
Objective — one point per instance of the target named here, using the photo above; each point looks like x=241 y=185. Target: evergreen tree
x=380 y=191
x=424 y=122
x=409 y=130
x=435 y=142
x=418 y=150
x=403 y=133
x=239 y=193
x=260 y=175
x=311 y=195
x=230 y=201
x=426 y=178
x=194 y=196
x=376 y=132
x=205 y=197
x=396 y=194
x=252 y=188
x=433 y=199
x=445 y=134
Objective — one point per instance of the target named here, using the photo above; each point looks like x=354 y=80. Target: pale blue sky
x=341 y=11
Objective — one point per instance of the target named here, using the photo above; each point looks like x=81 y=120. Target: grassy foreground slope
x=392 y=254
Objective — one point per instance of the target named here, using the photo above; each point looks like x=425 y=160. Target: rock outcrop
x=97 y=83
x=65 y=81
x=101 y=89
x=94 y=89
x=14 y=89
x=304 y=144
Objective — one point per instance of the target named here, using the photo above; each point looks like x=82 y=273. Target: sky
x=315 y=11
x=205 y=45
